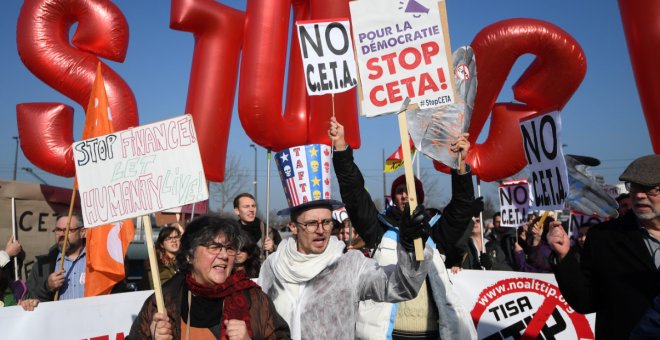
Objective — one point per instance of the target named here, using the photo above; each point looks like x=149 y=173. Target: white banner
x=401 y=53
x=541 y=136
x=106 y=317
x=138 y=171
x=506 y=305
x=514 y=203
x=327 y=54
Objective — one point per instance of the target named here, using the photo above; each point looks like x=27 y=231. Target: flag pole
x=155 y=276
x=66 y=234
x=14 y=233
x=267 y=196
x=481 y=215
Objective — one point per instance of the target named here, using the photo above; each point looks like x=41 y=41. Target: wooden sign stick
x=410 y=176
x=155 y=275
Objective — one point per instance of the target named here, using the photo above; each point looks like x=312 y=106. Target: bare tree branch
x=236 y=181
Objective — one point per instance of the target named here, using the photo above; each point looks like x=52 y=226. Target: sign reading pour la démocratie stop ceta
x=138 y=171
x=400 y=52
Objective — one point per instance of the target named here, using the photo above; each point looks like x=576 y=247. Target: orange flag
x=106 y=245
x=395 y=161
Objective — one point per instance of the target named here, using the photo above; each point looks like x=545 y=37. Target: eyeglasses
x=63 y=230
x=311 y=226
x=215 y=248
x=648 y=190
x=172 y=238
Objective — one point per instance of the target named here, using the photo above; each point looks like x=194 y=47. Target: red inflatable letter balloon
x=45 y=129
x=640 y=23
x=218 y=31
x=305 y=119
x=546 y=85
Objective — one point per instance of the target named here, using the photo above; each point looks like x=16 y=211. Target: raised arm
x=359 y=205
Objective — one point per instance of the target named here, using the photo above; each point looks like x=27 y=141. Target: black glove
x=413 y=227
x=477 y=206
x=485 y=260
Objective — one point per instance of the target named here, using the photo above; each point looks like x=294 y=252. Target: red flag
x=395 y=161
x=106 y=245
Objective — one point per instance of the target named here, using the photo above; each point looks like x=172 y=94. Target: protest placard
x=543 y=149
x=327 y=54
x=434 y=129
x=139 y=171
x=99 y=318
x=514 y=203
x=519 y=305
x=402 y=51
x=578 y=219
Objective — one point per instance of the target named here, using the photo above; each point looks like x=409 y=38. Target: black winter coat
x=364 y=215
x=615 y=278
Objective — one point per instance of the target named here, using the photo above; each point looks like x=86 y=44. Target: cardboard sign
x=517 y=305
x=100 y=317
x=545 y=158
x=434 y=129
x=139 y=171
x=578 y=219
x=327 y=54
x=514 y=203
x=37 y=208
x=400 y=50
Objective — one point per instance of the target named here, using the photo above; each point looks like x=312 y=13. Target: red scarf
x=235 y=302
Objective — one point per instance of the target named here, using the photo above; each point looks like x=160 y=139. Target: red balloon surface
x=42 y=40
x=305 y=119
x=545 y=86
x=218 y=31
x=640 y=24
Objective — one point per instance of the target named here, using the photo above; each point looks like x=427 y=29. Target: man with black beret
x=617 y=276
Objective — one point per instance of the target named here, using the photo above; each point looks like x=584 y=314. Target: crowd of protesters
x=348 y=270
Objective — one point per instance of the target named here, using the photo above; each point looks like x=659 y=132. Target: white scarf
x=293 y=270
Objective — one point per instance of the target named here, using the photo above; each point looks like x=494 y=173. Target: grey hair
x=204 y=230
x=75 y=214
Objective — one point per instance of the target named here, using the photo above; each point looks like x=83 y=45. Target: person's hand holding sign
x=461 y=146
x=558 y=239
x=336 y=133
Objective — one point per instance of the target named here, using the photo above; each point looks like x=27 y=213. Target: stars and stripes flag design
x=305 y=173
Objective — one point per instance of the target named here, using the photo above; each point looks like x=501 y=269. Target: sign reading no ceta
x=400 y=51
x=139 y=171
x=545 y=158
x=514 y=203
x=327 y=54
x=507 y=305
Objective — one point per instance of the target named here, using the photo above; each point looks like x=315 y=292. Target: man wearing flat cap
x=617 y=276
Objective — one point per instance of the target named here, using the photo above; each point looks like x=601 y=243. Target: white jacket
x=376 y=319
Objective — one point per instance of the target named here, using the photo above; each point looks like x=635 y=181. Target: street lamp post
x=31 y=172
x=255 y=171
x=15 y=157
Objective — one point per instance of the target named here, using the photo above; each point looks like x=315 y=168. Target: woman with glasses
x=206 y=299
x=167 y=245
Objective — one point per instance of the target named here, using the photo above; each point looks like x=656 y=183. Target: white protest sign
x=106 y=317
x=514 y=203
x=578 y=219
x=545 y=158
x=327 y=54
x=139 y=171
x=400 y=49
x=517 y=305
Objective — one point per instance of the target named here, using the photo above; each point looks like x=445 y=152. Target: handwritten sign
x=514 y=203
x=327 y=53
x=545 y=158
x=400 y=50
x=139 y=171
